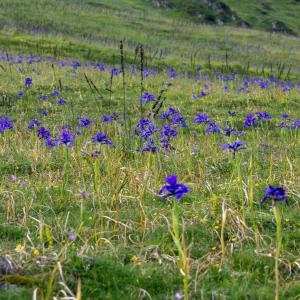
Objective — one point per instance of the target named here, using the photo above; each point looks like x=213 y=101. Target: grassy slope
x=255 y=14
x=125 y=228
x=92 y=30
x=261 y=14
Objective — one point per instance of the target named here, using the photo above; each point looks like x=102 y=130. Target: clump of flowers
x=145 y=129
x=252 y=120
x=173 y=120
x=212 y=127
x=5 y=124
x=174 y=117
x=45 y=135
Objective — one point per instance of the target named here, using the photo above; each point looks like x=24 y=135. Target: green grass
x=261 y=14
x=92 y=30
x=127 y=243
x=270 y=15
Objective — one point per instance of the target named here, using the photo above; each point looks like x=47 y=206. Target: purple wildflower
x=234 y=148
x=61 y=102
x=250 y=120
x=146 y=97
x=5 y=123
x=150 y=147
x=43 y=133
x=172 y=188
x=102 y=139
x=275 y=194
x=20 y=94
x=295 y=124
x=28 y=82
x=66 y=138
x=34 y=124
x=84 y=122
x=263 y=116
x=55 y=93
x=201 y=118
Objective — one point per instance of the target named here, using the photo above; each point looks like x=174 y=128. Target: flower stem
x=277 y=216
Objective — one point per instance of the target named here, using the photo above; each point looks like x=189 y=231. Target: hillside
x=92 y=30
x=270 y=15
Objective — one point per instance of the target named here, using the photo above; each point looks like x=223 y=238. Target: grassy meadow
x=81 y=216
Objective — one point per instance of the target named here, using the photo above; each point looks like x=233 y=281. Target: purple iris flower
x=172 y=188
x=275 y=194
x=146 y=97
x=115 y=71
x=168 y=131
x=61 y=102
x=250 y=120
x=295 y=124
x=172 y=73
x=102 y=139
x=201 y=118
x=5 y=123
x=264 y=116
x=174 y=117
x=33 y=124
x=110 y=118
x=44 y=113
x=20 y=94
x=202 y=94
x=66 y=138
x=150 y=147
x=76 y=64
x=55 y=93
x=84 y=122
x=285 y=116
x=234 y=148
x=145 y=129
x=43 y=133
x=212 y=128
x=229 y=131
x=232 y=113
x=28 y=82
x=49 y=143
